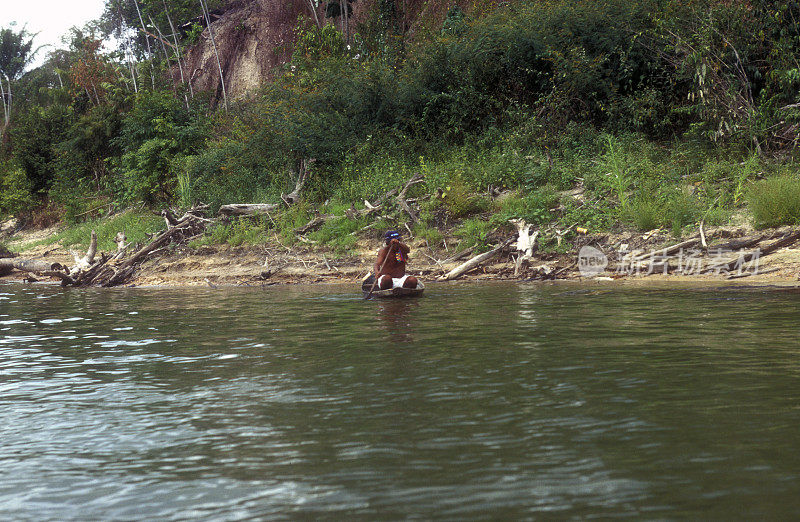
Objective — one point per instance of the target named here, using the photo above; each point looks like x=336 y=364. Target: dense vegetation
x=663 y=112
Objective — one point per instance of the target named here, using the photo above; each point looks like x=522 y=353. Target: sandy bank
x=274 y=263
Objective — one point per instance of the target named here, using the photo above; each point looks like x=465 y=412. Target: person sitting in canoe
x=390 y=266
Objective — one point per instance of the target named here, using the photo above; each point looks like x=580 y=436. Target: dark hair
x=391 y=234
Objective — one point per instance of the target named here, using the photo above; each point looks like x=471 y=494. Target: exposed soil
x=276 y=264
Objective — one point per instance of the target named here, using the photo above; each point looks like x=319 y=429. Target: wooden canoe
x=366 y=284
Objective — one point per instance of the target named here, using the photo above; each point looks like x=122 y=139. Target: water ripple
x=495 y=402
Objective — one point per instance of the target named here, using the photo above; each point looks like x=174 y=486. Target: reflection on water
x=394 y=316
x=497 y=401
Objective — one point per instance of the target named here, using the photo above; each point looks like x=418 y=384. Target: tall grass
x=135 y=225
x=775 y=201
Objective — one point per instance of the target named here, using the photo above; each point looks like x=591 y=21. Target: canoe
x=366 y=284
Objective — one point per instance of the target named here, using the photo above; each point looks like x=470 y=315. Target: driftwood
x=68 y=276
x=187 y=226
x=115 y=269
x=526 y=243
x=313 y=224
x=302 y=175
x=259 y=209
x=475 y=261
x=396 y=195
x=85 y=262
x=38 y=266
x=785 y=241
x=458 y=255
x=703 y=241
x=668 y=251
x=748 y=274
x=738 y=244
x=244 y=209
x=401 y=197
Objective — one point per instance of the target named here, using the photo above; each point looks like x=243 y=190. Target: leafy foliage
x=16 y=51
x=775 y=201
x=662 y=112
x=156 y=136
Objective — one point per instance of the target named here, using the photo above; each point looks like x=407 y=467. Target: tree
x=16 y=52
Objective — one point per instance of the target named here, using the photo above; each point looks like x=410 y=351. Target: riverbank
x=632 y=258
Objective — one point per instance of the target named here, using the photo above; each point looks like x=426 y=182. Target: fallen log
x=758 y=253
x=68 y=276
x=748 y=274
x=6 y=253
x=38 y=266
x=475 y=261
x=738 y=244
x=668 y=251
x=458 y=255
x=313 y=224
x=248 y=209
x=111 y=270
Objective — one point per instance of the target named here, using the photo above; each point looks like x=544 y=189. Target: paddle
x=375 y=283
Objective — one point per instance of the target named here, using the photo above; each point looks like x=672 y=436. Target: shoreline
x=267 y=265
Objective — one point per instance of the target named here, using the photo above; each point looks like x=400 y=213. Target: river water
x=498 y=401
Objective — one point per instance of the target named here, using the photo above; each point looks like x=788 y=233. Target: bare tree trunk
x=216 y=53
x=131 y=66
x=346 y=23
x=147 y=40
x=89 y=95
x=342 y=7
x=164 y=50
x=132 y=69
x=6 y=103
x=5 y=109
x=314 y=12
x=96 y=96
x=10 y=98
x=178 y=54
x=302 y=175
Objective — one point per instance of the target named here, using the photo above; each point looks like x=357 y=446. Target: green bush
x=337 y=233
x=460 y=202
x=242 y=231
x=15 y=192
x=156 y=137
x=645 y=213
x=474 y=232
x=652 y=209
x=681 y=210
x=427 y=233
x=370 y=178
x=775 y=201
x=35 y=135
x=534 y=208
x=231 y=172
